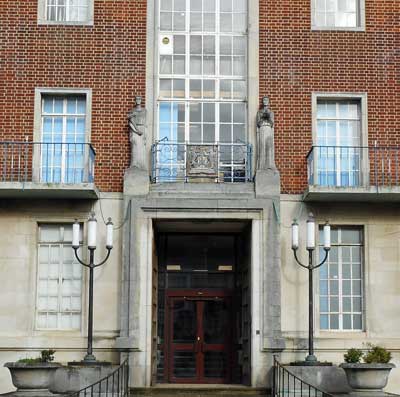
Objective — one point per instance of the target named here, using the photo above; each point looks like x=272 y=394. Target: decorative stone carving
x=202 y=161
x=137 y=137
x=265 y=137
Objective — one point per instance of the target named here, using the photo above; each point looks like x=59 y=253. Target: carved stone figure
x=137 y=137
x=265 y=137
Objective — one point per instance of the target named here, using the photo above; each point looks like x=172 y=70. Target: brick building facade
x=201 y=184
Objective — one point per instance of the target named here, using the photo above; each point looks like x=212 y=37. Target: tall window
x=202 y=83
x=337 y=13
x=341 y=281
x=59 y=288
x=338 y=154
x=63 y=138
x=67 y=10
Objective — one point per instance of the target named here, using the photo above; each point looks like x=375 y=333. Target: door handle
x=197 y=345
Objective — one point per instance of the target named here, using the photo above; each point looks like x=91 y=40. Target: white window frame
x=341 y=96
x=37 y=133
x=360 y=19
x=187 y=76
x=253 y=70
x=364 y=266
x=42 y=15
x=82 y=295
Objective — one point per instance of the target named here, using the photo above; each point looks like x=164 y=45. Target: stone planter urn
x=367 y=377
x=33 y=377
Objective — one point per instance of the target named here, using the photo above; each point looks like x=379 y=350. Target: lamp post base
x=89 y=363
x=89 y=359
x=311 y=359
x=311 y=363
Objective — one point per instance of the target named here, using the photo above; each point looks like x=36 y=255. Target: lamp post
x=92 y=236
x=310 y=246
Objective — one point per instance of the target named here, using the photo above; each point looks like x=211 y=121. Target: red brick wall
x=295 y=61
x=108 y=57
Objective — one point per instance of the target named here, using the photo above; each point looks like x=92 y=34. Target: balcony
x=192 y=162
x=353 y=173
x=47 y=170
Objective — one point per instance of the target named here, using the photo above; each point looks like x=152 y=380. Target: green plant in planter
x=46 y=356
x=377 y=354
x=353 y=356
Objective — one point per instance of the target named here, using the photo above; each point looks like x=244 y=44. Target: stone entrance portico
x=213 y=203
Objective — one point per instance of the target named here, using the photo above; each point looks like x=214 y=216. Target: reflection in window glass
x=338 y=142
x=67 y=10
x=337 y=13
x=63 y=136
x=341 y=281
x=59 y=290
x=203 y=56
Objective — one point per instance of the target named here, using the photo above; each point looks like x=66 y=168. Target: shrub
x=353 y=356
x=377 y=354
x=46 y=356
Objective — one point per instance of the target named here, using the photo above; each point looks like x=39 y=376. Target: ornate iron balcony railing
x=191 y=162
x=58 y=163
x=354 y=166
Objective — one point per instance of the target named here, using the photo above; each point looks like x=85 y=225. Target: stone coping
x=367 y=366
x=38 y=365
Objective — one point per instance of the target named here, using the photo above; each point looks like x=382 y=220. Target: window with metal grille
x=341 y=281
x=59 y=286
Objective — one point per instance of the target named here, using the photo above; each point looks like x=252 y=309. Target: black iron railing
x=219 y=162
x=354 y=166
x=46 y=162
x=286 y=384
x=116 y=384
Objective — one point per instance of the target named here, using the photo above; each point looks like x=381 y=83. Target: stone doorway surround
x=200 y=202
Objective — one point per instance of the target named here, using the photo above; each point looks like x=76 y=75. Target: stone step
x=199 y=391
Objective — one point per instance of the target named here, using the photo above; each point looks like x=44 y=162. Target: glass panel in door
x=200 y=340
x=216 y=340
x=183 y=338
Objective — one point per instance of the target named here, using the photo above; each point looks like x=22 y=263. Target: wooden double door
x=199 y=336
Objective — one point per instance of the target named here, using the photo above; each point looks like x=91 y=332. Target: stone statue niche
x=137 y=135
x=265 y=137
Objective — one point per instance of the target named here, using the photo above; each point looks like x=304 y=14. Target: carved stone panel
x=202 y=161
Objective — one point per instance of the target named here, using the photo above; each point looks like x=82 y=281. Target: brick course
x=295 y=61
x=110 y=58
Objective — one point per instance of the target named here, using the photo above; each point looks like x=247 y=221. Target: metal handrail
x=169 y=161
x=354 y=166
x=287 y=384
x=47 y=162
x=370 y=147
x=116 y=384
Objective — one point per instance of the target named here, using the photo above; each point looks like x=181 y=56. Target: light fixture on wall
x=310 y=246
x=92 y=245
